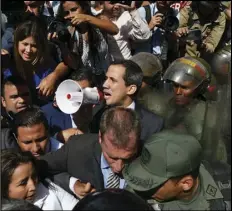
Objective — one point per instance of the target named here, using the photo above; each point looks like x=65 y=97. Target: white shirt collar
x=132 y=105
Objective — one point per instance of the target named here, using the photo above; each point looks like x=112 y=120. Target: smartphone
x=194 y=34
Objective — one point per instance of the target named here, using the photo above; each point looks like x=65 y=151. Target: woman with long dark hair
x=88 y=32
x=33 y=61
x=19 y=177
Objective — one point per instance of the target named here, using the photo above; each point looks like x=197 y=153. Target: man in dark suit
x=122 y=84
x=96 y=161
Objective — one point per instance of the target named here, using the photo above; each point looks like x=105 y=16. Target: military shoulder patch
x=211 y=190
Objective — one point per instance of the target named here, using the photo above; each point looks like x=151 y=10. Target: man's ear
x=186 y=183
x=131 y=89
x=3 y=102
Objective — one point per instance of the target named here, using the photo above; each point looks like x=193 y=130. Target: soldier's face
x=183 y=93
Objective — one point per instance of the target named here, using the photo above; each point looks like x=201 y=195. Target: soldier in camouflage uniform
x=171 y=174
x=188 y=111
x=206 y=16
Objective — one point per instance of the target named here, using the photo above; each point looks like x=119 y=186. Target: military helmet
x=220 y=62
x=192 y=70
x=150 y=65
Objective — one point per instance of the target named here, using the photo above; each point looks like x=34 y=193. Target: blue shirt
x=38 y=75
x=106 y=170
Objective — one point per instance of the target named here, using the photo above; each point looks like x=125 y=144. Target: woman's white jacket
x=53 y=198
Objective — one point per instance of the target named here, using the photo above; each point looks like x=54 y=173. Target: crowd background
x=158 y=137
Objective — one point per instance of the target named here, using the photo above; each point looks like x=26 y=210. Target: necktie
x=113 y=181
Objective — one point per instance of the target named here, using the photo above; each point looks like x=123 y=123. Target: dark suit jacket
x=151 y=123
x=7 y=139
x=80 y=157
x=57 y=120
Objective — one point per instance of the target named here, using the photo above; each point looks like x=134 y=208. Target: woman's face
x=27 y=49
x=23 y=182
x=72 y=8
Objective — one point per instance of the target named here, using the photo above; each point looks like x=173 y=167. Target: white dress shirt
x=131 y=27
x=53 y=198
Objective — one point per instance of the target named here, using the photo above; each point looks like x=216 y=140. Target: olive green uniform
x=170 y=154
x=154 y=100
x=199 y=119
x=211 y=30
x=203 y=200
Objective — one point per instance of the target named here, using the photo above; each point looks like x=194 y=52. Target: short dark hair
x=12 y=80
x=29 y=117
x=112 y=199
x=122 y=121
x=10 y=160
x=133 y=73
x=17 y=204
x=83 y=73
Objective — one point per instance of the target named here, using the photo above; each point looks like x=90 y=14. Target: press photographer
x=162 y=20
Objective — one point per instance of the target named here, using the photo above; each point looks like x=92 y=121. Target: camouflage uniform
x=212 y=30
x=200 y=118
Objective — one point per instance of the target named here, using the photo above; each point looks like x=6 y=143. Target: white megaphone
x=70 y=96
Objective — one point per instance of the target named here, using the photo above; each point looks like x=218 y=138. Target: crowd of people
x=157 y=135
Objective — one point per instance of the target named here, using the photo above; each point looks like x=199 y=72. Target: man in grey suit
x=93 y=161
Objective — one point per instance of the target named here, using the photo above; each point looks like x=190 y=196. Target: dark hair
x=12 y=80
x=112 y=199
x=94 y=39
x=10 y=160
x=29 y=117
x=133 y=73
x=26 y=29
x=17 y=204
x=83 y=73
x=121 y=121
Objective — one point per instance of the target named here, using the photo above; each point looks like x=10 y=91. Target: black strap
x=148 y=13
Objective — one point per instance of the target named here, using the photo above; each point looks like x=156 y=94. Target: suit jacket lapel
x=98 y=176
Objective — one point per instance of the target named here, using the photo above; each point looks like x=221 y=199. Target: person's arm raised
x=102 y=23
